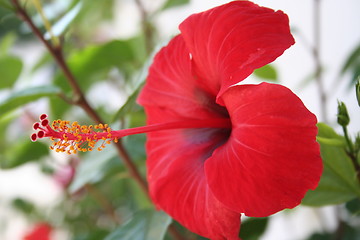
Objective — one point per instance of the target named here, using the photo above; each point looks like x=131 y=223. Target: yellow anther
x=65 y=137
x=116 y=140
x=108 y=141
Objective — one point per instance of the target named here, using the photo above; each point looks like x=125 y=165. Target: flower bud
x=357 y=89
x=342 y=117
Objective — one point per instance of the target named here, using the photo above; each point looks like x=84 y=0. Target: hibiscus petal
x=172 y=85
x=175 y=162
x=177 y=182
x=271 y=158
x=229 y=42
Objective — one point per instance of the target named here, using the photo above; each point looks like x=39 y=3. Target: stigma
x=72 y=137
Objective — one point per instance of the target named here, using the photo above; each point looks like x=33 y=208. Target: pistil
x=72 y=137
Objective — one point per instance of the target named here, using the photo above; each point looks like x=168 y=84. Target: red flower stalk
x=41 y=231
x=223 y=149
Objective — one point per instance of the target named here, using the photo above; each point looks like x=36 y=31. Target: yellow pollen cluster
x=72 y=137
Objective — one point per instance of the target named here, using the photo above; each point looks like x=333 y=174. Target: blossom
x=216 y=148
x=268 y=159
x=41 y=231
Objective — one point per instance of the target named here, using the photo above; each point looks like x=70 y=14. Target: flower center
x=73 y=137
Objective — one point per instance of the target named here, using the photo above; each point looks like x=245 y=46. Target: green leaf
x=6 y=42
x=174 y=3
x=144 y=225
x=10 y=69
x=338 y=182
x=267 y=72
x=353 y=206
x=253 y=228
x=60 y=26
x=5 y=4
x=128 y=106
x=23 y=205
x=130 y=103
x=94 y=62
x=94 y=167
x=27 y=95
x=352 y=65
x=321 y=236
x=23 y=152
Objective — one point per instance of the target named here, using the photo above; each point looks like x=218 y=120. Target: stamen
x=73 y=137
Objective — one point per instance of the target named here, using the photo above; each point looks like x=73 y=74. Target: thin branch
x=351 y=152
x=316 y=56
x=79 y=98
x=148 y=31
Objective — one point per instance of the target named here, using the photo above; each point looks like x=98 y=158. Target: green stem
x=351 y=153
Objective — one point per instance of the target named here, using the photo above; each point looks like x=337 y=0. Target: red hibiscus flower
x=223 y=149
x=265 y=162
x=41 y=231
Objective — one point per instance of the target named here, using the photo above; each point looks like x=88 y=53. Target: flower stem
x=352 y=153
x=317 y=59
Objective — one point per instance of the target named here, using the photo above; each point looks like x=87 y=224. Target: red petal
x=271 y=158
x=41 y=231
x=177 y=183
x=172 y=85
x=229 y=42
x=175 y=162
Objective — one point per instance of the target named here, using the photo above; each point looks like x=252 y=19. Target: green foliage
x=27 y=95
x=352 y=65
x=10 y=68
x=94 y=62
x=23 y=205
x=23 y=152
x=267 y=72
x=338 y=183
x=353 y=206
x=94 y=167
x=64 y=22
x=5 y=4
x=357 y=91
x=347 y=232
x=146 y=224
x=253 y=228
x=174 y=3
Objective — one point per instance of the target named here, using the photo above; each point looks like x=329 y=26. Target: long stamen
x=72 y=137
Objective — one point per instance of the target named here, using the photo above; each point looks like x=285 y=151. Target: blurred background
x=108 y=45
